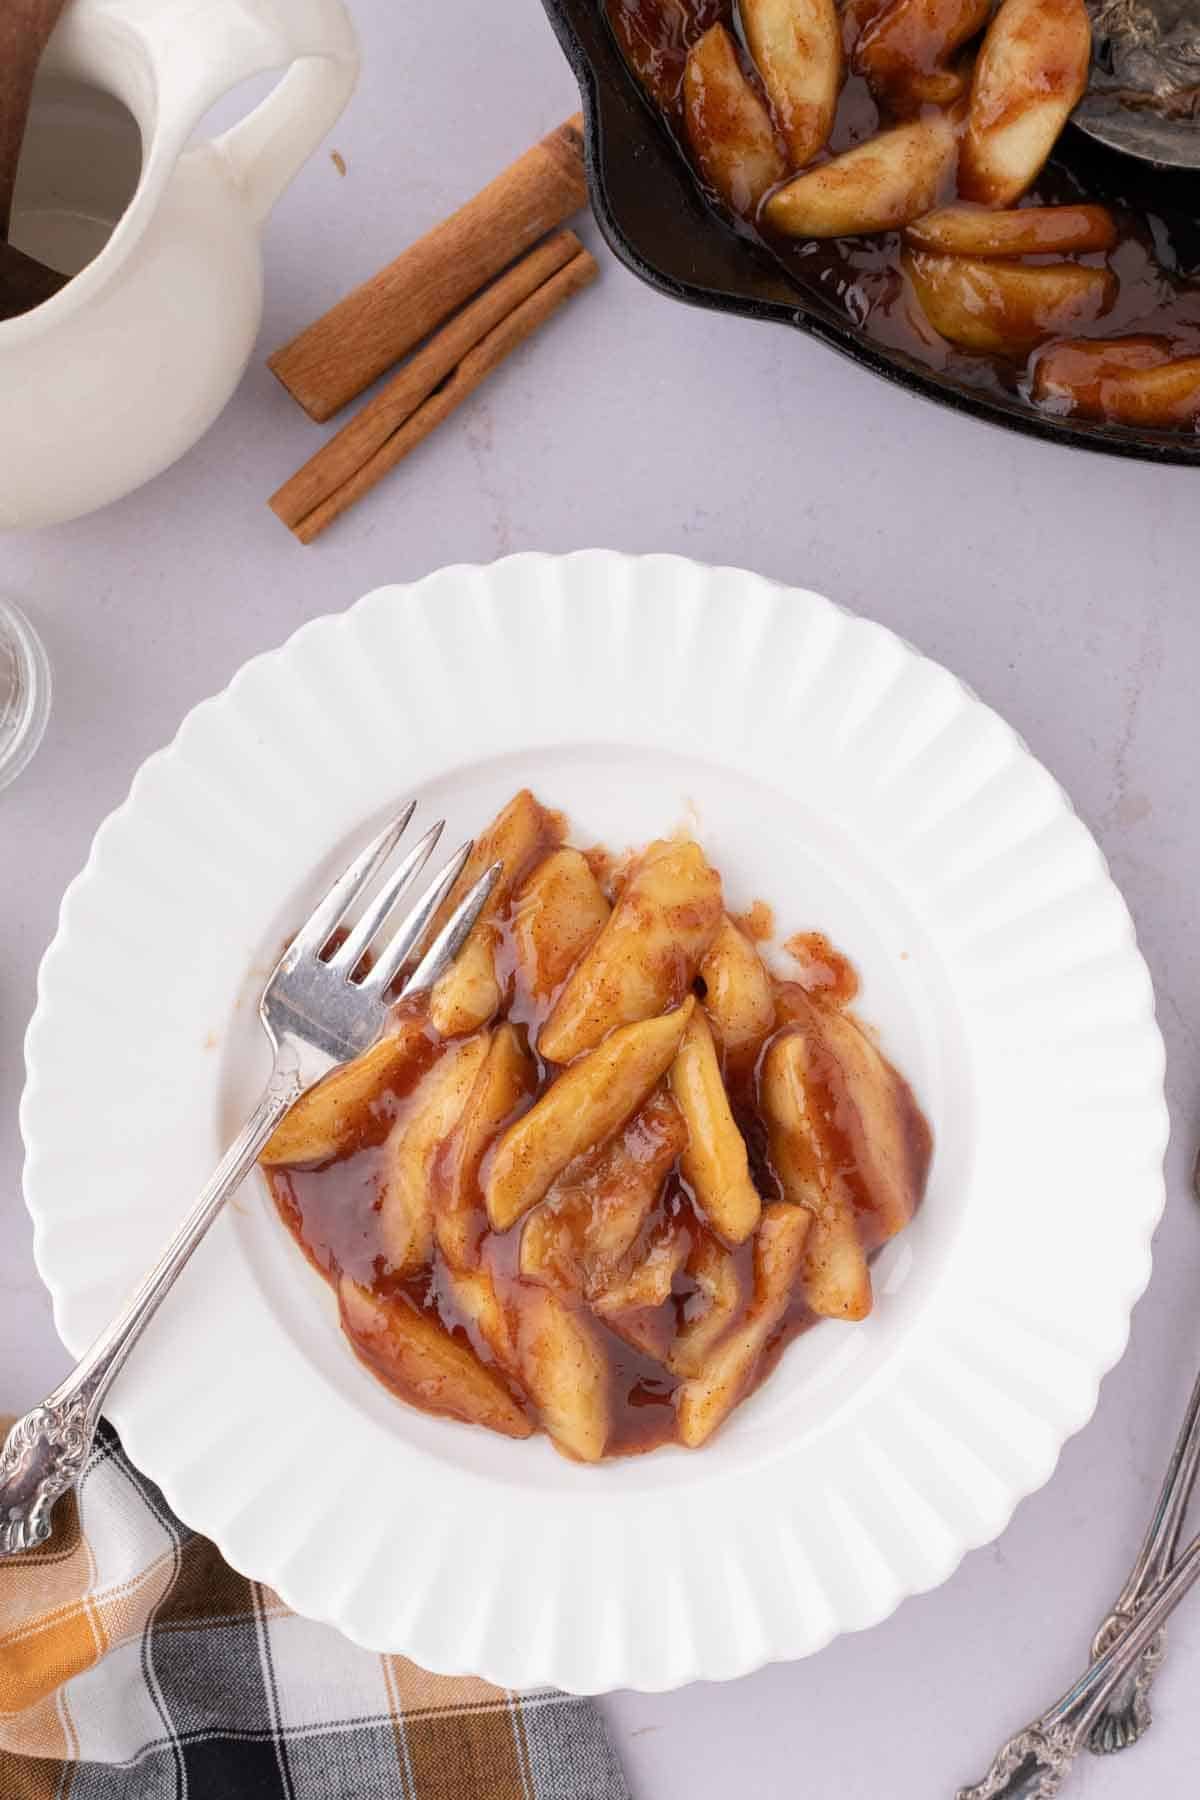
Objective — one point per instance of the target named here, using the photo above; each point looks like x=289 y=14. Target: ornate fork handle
x=1033 y=1764
x=45 y=1452
x=1127 y=1712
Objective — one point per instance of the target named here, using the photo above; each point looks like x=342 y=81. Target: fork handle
x=1162 y=1536
x=1033 y=1764
x=45 y=1452
x=1126 y=1714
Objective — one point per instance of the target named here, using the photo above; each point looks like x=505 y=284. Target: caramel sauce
x=757 y=922
x=333 y=1209
x=655 y=40
x=1155 y=260
x=824 y=970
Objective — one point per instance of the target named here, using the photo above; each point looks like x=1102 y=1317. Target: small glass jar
x=24 y=691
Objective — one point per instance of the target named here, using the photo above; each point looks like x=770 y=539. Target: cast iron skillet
x=654 y=218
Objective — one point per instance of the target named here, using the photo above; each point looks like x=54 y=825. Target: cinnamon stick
x=476 y=365
x=352 y=447
x=343 y=352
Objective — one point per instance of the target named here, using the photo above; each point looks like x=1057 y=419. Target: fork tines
x=327 y=923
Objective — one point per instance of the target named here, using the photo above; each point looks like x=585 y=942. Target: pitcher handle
x=170 y=60
x=268 y=147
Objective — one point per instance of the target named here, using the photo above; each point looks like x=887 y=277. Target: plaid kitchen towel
x=136 y=1665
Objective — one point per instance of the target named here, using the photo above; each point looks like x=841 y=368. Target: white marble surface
x=1062 y=587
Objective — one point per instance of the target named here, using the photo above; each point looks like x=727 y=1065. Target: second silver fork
x=316 y=1016
x=1109 y=1707
x=1126 y=1713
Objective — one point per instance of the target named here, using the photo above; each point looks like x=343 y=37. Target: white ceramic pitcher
x=115 y=376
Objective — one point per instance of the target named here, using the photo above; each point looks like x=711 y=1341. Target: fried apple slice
x=878 y=1122
x=1021 y=231
x=633 y=1301
x=655 y=36
x=710 y=1312
x=707 y=1398
x=468 y=994
x=505 y=1079
x=737 y=997
x=730 y=131
x=628 y=1181
x=797 y=49
x=904 y=50
x=892 y=178
x=582 y=1108
x=1133 y=380
x=1030 y=73
x=647 y=1282
x=594 y=1211
x=645 y=958
x=473 y=1292
x=1006 y=308
x=848 y=1141
x=340 y=1113
x=559 y=911
x=552 y=1241
x=564 y=1371
x=414 y=1354
x=406 y=1201
x=837 y=1282
x=714 y=1162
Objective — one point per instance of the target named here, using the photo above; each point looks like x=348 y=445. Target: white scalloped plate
x=829 y=769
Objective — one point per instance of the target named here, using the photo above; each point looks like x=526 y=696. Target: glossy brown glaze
x=1155 y=259
x=824 y=971
x=757 y=922
x=655 y=39
x=332 y=1212
x=333 y=1209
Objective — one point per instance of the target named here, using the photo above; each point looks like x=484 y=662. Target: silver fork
x=1035 y=1761
x=1126 y=1712
x=1108 y=1708
x=316 y=1017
